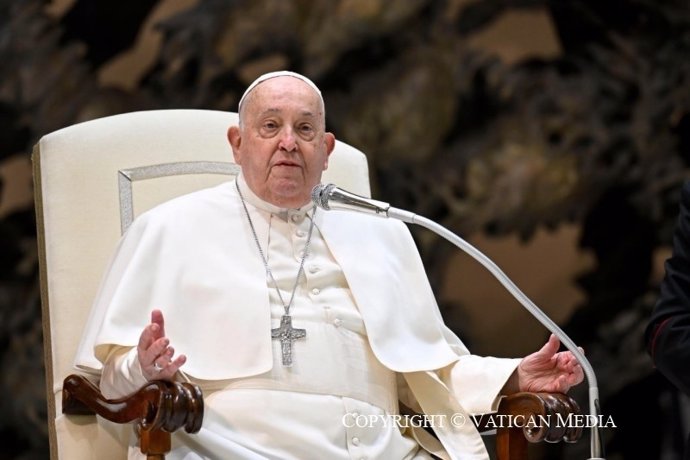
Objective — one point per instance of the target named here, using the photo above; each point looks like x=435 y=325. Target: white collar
x=254 y=200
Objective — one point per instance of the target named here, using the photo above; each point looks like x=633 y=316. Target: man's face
x=282 y=146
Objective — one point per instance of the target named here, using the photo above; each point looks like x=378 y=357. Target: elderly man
x=297 y=324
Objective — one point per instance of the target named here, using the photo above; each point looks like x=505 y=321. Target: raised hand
x=155 y=353
x=548 y=370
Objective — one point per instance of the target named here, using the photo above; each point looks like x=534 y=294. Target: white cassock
x=374 y=333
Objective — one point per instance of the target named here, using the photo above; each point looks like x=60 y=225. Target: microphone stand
x=596 y=448
x=331 y=197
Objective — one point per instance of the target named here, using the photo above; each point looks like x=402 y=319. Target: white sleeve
x=476 y=381
x=122 y=373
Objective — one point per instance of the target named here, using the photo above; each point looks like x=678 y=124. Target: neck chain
x=285 y=333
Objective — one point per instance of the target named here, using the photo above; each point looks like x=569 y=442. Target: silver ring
x=157 y=366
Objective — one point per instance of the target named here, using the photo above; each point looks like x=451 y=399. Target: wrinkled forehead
x=271 y=75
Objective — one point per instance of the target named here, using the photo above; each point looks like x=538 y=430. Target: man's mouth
x=287 y=163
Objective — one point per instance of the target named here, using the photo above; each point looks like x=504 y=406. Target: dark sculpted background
x=583 y=123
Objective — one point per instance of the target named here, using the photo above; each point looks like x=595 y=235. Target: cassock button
x=313 y=269
x=355 y=441
x=295 y=217
x=299 y=233
x=337 y=322
x=316 y=291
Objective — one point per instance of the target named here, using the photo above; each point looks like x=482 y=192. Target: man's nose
x=288 y=141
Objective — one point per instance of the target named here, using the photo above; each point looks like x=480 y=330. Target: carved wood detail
x=159 y=408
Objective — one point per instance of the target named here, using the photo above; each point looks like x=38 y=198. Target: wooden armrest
x=159 y=408
x=534 y=417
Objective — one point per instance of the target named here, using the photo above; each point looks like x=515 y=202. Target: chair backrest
x=82 y=176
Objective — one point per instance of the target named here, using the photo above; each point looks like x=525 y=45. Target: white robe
x=166 y=261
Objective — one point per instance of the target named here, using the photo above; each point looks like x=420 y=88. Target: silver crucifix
x=287 y=335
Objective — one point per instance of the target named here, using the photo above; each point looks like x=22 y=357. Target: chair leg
x=155 y=444
x=511 y=444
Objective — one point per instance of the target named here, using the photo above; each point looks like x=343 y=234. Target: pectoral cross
x=287 y=335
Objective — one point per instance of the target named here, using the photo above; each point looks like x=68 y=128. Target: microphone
x=330 y=197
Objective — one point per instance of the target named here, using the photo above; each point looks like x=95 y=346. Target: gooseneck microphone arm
x=330 y=197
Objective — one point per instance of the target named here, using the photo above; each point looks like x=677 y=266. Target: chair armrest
x=533 y=417
x=556 y=408
x=159 y=408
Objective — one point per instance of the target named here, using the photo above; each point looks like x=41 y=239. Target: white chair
x=90 y=180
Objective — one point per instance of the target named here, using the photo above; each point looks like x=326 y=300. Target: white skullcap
x=279 y=73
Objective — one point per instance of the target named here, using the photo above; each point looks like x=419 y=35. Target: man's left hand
x=549 y=370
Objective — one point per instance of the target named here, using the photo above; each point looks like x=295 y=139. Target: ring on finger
x=157 y=366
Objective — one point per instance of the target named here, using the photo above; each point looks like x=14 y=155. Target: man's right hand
x=155 y=353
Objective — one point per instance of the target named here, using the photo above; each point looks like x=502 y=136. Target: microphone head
x=320 y=195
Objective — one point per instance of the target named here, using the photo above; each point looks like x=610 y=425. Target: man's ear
x=329 y=141
x=235 y=139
